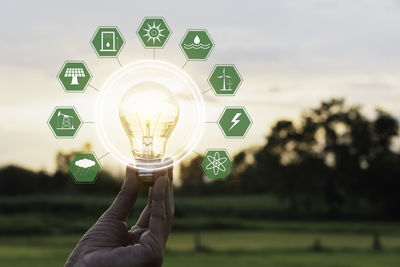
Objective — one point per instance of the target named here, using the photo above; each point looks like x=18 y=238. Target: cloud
x=85 y=163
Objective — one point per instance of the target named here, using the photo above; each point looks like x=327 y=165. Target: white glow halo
x=188 y=130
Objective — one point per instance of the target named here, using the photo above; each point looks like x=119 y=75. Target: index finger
x=125 y=199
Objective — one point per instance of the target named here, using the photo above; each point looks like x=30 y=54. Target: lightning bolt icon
x=235 y=120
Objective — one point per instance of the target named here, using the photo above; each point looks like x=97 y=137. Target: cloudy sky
x=291 y=55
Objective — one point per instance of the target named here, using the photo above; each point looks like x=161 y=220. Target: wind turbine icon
x=223 y=77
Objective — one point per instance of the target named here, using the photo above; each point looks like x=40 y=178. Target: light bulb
x=148 y=113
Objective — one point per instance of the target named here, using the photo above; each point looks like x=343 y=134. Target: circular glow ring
x=162 y=67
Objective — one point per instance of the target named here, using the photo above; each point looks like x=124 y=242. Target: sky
x=290 y=54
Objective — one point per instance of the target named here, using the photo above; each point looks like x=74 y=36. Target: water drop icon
x=108 y=44
x=196 y=40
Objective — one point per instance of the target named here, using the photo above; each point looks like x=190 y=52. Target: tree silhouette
x=334 y=160
x=326 y=160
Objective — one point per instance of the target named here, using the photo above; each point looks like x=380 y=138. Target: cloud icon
x=85 y=163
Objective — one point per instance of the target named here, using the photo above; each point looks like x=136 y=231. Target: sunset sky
x=291 y=55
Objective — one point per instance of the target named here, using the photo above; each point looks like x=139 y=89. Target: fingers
x=169 y=195
x=166 y=164
x=163 y=207
x=126 y=198
x=169 y=204
x=157 y=223
x=136 y=232
x=144 y=217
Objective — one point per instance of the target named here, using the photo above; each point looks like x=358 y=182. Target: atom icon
x=216 y=163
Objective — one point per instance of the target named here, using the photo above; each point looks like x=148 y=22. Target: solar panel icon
x=74 y=73
x=108 y=41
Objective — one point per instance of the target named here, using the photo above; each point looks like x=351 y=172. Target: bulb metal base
x=147 y=177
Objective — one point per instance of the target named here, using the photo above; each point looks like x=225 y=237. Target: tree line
x=333 y=160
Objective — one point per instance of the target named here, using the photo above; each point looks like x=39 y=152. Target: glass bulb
x=148 y=112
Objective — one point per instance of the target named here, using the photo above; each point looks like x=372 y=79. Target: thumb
x=126 y=198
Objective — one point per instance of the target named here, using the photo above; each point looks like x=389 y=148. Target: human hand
x=109 y=242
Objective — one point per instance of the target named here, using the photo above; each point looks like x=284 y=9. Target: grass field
x=235 y=231
x=49 y=214
x=226 y=248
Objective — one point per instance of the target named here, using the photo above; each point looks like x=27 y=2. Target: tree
x=326 y=159
x=191 y=176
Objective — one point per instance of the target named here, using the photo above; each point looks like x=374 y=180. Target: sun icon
x=153 y=32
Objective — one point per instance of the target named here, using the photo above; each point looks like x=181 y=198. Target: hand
x=109 y=242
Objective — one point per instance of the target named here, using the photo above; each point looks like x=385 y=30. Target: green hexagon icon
x=234 y=122
x=225 y=80
x=84 y=168
x=216 y=163
x=197 y=44
x=74 y=76
x=64 y=122
x=153 y=32
x=107 y=41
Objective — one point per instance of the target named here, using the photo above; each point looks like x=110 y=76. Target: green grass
x=34 y=223
x=227 y=248
x=50 y=214
x=300 y=259
x=226 y=241
x=234 y=230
